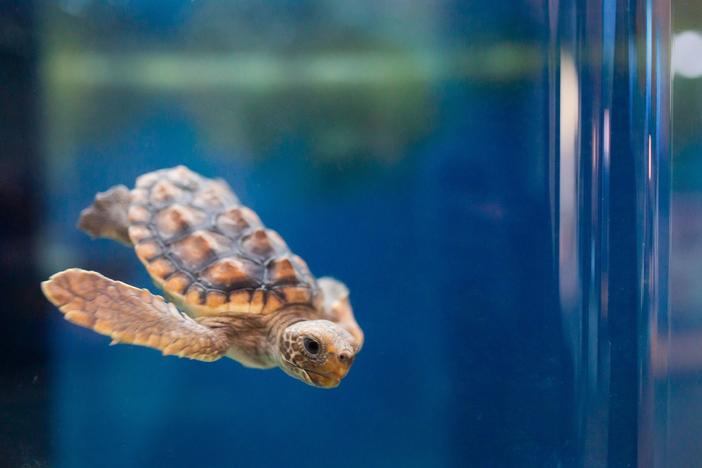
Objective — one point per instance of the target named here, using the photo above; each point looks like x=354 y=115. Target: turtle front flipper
x=133 y=316
x=107 y=216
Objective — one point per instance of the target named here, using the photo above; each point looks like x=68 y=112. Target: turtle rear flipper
x=107 y=216
x=133 y=316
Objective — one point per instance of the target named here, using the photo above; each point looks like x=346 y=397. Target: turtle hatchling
x=233 y=288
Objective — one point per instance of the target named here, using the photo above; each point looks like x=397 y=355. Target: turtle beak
x=323 y=381
x=335 y=368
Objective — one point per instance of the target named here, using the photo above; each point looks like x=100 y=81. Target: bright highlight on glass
x=687 y=54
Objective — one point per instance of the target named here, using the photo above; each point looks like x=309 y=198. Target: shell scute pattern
x=215 y=299
x=140 y=195
x=297 y=295
x=232 y=272
x=263 y=244
x=161 y=268
x=195 y=294
x=200 y=248
x=138 y=214
x=282 y=271
x=217 y=195
x=148 y=250
x=140 y=232
x=165 y=192
x=238 y=220
x=303 y=269
x=239 y=300
x=199 y=243
x=177 y=283
x=177 y=219
x=184 y=178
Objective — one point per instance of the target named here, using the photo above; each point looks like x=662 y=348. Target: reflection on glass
x=681 y=355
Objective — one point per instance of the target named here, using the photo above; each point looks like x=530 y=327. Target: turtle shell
x=210 y=253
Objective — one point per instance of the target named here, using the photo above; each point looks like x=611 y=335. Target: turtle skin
x=208 y=252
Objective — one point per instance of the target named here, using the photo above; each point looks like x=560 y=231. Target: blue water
x=447 y=216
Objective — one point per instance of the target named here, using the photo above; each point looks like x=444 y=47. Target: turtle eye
x=311 y=346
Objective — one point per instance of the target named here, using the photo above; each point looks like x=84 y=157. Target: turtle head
x=318 y=352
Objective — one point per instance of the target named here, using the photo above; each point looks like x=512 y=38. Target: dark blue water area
x=448 y=254
x=449 y=261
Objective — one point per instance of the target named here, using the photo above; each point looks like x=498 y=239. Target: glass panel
x=490 y=179
x=683 y=355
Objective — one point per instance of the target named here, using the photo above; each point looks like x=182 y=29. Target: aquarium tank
x=510 y=189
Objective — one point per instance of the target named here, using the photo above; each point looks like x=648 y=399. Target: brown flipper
x=338 y=307
x=107 y=216
x=133 y=316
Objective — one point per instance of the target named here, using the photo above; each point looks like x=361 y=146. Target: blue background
x=451 y=280
x=446 y=251
x=503 y=185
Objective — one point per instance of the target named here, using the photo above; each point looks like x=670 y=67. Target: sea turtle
x=244 y=294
